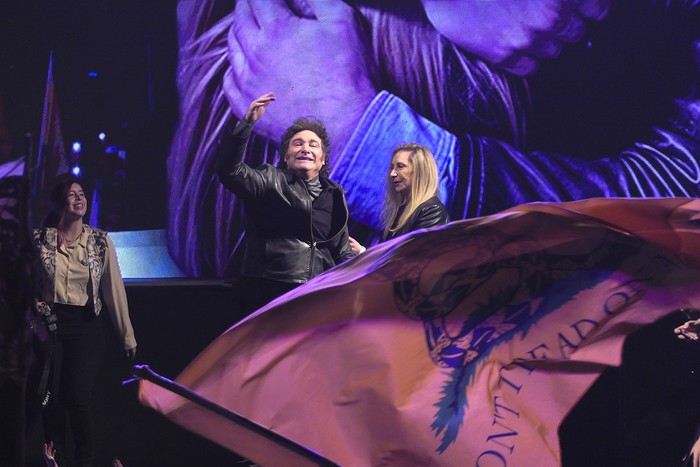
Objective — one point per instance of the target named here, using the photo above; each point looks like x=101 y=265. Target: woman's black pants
x=78 y=352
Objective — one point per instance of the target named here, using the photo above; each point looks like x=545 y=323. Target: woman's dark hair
x=57 y=200
x=310 y=124
x=51 y=220
x=58 y=195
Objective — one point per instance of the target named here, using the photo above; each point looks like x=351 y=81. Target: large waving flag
x=462 y=345
x=52 y=160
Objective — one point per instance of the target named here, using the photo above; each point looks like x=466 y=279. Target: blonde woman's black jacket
x=429 y=213
x=279 y=239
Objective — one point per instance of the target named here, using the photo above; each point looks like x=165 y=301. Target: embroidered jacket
x=104 y=276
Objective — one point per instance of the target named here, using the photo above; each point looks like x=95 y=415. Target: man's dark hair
x=311 y=124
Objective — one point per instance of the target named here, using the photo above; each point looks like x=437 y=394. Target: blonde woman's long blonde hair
x=424 y=185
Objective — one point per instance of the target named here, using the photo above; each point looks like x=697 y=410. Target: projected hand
x=313 y=56
x=513 y=35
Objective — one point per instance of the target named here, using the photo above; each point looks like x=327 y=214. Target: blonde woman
x=411 y=201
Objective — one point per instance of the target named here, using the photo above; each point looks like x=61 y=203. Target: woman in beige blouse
x=78 y=269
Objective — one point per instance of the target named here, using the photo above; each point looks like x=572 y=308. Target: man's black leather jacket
x=279 y=240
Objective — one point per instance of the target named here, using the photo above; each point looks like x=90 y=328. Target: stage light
x=102 y=136
x=76 y=171
x=92 y=74
x=77 y=147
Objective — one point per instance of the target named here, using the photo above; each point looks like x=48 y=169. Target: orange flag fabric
x=465 y=344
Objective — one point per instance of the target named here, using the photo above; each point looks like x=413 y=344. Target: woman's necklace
x=65 y=240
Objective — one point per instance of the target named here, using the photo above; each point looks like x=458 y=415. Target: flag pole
x=145 y=372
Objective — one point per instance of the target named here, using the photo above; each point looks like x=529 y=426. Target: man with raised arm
x=295 y=217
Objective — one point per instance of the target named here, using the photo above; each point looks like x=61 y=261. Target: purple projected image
x=544 y=102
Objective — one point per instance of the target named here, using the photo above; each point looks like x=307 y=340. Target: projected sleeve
x=482 y=175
